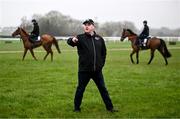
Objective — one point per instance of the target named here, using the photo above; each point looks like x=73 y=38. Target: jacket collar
x=89 y=35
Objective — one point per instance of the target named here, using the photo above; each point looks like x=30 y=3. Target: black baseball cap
x=88 y=21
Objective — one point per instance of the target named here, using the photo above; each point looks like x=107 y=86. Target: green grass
x=46 y=89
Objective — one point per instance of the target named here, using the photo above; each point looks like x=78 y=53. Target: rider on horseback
x=144 y=34
x=35 y=32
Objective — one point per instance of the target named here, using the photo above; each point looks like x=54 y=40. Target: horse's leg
x=46 y=55
x=160 y=50
x=137 y=57
x=47 y=47
x=32 y=53
x=51 y=55
x=50 y=51
x=25 y=51
x=132 y=57
x=152 y=55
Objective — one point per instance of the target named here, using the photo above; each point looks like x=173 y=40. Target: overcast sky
x=158 y=13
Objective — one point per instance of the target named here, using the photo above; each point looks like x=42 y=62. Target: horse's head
x=124 y=34
x=127 y=33
x=16 y=32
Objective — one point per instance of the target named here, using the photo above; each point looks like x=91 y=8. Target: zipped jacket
x=35 y=30
x=145 y=32
x=91 y=51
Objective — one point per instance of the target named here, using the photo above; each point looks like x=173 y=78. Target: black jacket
x=35 y=30
x=91 y=51
x=145 y=32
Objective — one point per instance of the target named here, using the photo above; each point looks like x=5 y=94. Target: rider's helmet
x=34 y=21
x=145 y=21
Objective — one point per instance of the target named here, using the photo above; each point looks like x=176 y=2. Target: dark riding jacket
x=91 y=51
x=35 y=31
x=145 y=33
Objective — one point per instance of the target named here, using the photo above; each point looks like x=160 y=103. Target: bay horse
x=152 y=44
x=46 y=41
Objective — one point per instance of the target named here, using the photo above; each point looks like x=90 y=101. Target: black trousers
x=142 y=37
x=33 y=38
x=83 y=79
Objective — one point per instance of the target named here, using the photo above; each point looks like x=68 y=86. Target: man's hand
x=75 y=40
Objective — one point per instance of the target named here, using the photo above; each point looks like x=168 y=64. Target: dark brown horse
x=46 y=41
x=152 y=44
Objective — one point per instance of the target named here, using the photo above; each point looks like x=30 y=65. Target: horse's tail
x=55 y=42
x=167 y=54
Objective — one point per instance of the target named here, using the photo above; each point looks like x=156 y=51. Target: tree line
x=57 y=24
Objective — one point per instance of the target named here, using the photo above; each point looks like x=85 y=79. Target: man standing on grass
x=92 y=54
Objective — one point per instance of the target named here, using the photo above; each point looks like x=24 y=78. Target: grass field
x=39 y=89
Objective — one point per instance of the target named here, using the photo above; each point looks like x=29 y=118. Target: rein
x=132 y=37
x=24 y=34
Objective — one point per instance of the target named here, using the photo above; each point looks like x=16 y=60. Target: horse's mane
x=131 y=32
x=24 y=31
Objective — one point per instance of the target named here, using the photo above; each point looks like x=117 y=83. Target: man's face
x=88 y=28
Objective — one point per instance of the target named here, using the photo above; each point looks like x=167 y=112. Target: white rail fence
x=115 y=39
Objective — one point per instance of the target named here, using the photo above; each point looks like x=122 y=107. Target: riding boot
x=140 y=43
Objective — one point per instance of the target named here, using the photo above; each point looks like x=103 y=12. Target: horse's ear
x=124 y=26
x=19 y=27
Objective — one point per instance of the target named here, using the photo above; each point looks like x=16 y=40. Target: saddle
x=142 y=43
x=34 y=39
